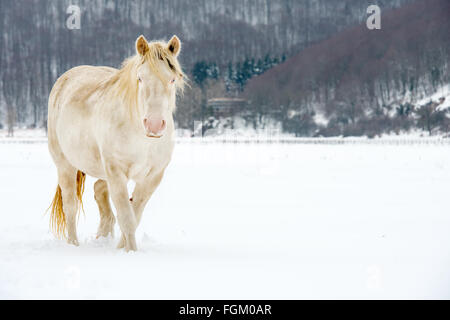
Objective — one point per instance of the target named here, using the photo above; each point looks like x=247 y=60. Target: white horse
x=115 y=125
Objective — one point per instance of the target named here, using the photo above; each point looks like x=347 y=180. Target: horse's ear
x=141 y=45
x=174 y=45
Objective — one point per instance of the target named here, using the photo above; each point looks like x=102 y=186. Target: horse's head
x=158 y=75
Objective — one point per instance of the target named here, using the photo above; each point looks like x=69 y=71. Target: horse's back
x=77 y=83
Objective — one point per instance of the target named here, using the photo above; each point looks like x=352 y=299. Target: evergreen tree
x=200 y=73
x=259 y=68
x=213 y=71
x=230 y=77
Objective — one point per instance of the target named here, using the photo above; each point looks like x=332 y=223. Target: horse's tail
x=57 y=216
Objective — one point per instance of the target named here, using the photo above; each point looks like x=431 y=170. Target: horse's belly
x=81 y=150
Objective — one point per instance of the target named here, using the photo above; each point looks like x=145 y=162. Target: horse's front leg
x=117 y=185
x=141 y=194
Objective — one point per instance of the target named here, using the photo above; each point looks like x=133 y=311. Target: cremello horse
x=115 y=125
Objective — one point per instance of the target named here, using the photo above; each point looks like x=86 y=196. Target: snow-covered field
x=260 y=221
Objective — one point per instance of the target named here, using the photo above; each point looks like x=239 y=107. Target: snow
x=243 y=221
x=24 y=134
x=320 y=118
x=442 y=92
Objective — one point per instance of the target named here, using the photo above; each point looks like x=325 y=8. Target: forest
x=311 y=65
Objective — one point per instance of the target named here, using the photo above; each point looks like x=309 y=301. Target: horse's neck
x=121 y=87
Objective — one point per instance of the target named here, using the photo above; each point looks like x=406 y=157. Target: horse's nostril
x=154 y=125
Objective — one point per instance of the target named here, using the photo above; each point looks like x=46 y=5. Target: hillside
x=359 y=77
x=36 y=46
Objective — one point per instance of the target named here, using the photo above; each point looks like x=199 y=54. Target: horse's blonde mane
x=124 y=83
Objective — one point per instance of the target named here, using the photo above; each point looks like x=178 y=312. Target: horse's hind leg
x=107 y=219
x=67 y=181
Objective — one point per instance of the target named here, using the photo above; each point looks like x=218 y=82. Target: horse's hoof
x=127 y=243
x=106 y=227
x=130 y=243
x=74 y=242
x=121 y=243
x=104 y=234
x=130 y=247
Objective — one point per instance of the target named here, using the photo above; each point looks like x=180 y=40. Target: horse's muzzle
x=154 y=127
